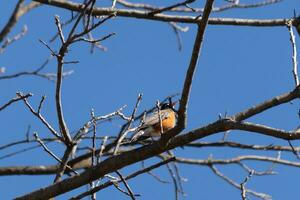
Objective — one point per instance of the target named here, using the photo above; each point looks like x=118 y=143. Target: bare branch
x=127 y=129
x=294 y=50
x=109 y=183
x=285 y=98
x=126 y=185
x=64 y=164
x=62 y=124
x=51 y=153
x=154 y=12
x=12 y=20
x=199 y=10
x=38 y=115
x=27 y=140
x=155 y=176
x=18 y=12
x=237 y=160
x=162 y=17
x=159 y=117
x=232 y=144
x=243 y=184
x=233 y=183
x=182 y=111
x=41 y=103
x=293 y=150
x=176 y=189
x=94 y=40
x=83 y=130
x=102 y=148
x=60 y=33
x=8 y=41
x=15 y=100
x=37 y=72
x=176 y=28
x=87 y=30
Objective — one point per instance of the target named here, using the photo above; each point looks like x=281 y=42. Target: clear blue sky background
x=238 y=68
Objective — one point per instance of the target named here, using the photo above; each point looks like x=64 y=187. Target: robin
x=151 y=125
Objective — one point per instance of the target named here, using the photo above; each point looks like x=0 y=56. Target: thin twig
x=154 y=175
x=159 y=117
x=294 y=52
x=9 y=41
x=133 y=175
x=177 y=174
x=48 y=47
x=93 y=41
x=131 y=194
x=233 y=183
x=12 y=20
x=154 y=12
x=38 y=115
x=37 y=72
x=60 y=33
x=92 y=184
x=243 y=184
x=13 y=100
x=50 y=152
x=233 y=144
x=128 y=127
x=176 y=190
x=294 y=150
x=102 y=148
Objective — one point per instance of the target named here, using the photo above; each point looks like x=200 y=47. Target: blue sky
x=238 y=68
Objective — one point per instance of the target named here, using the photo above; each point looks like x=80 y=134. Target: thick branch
x=62 y=124
x=163 y=17
x=182 y=112
x=285 y=98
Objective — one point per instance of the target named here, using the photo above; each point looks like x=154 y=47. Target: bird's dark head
x=165 y=106
x=168 y=105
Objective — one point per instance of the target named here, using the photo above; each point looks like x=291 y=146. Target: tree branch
x=163 y=17
x=12 y=20
x=182 y=111
x=15 y=100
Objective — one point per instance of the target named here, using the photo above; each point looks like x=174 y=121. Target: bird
x=151 y=124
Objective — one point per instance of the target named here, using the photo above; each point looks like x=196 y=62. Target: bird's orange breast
x=167 y=123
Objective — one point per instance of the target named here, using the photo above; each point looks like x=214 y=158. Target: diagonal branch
x=182 y=111
x=170 y=7
x=64 y=164
x=51 y=153
x=284 y=98
x=133 y=175
x=15 y=100
x=131 y=194
x=38 y=115
x=18 y=12
x=12 y=20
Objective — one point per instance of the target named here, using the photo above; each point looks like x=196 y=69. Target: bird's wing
x=154 y=119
